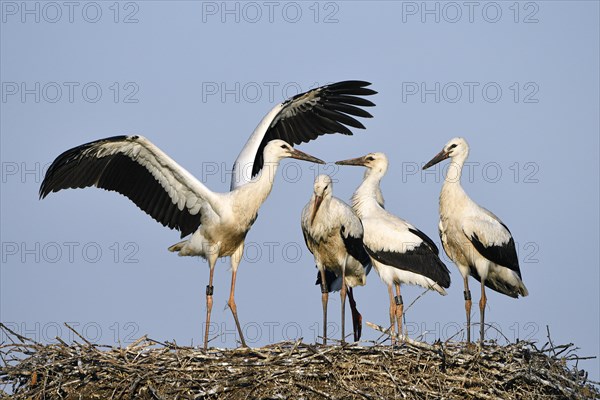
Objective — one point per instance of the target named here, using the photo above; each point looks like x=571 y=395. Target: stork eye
x=452 y=146
x=370 y=158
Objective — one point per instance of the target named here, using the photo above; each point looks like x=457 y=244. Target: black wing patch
x=504 y=255
x=420 y=260
x=498 y=286
x=330 y=277
x=81 y=167
x=426 y=239
x=327 y=109
x=355 y=247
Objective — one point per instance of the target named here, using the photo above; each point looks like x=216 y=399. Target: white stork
x=400 y=252
x=334 y=234
x=218 y=222
x=474 y=238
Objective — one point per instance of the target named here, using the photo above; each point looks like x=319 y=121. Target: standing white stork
x=474 y=238
x=218 y=222
x=400 y=252
x=334 y=234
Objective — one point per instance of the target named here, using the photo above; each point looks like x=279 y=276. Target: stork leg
x=399 y=308
x=343 y=300
x=356 y=317
x=482 y=303
x=212 y=260
x=235 y=261
x=468 y=303
x=392 y=315
x=324 y=298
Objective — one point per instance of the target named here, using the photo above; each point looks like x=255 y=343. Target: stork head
x=456 y=148
x=322 y=189
x=277 y=149
x=375 y=162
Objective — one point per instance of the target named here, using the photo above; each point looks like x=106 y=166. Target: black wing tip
x=495 y=285
x=44 y=192
x=442 y=277
x=350 y=83
x=71 y=155
x=336 y=105
x=506 y=290
x=447 y=280
x=351 y=86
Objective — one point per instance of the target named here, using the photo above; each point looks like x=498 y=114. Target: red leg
x=233 y=308
x=324 y=299
x=209 y=297
x=468 y=303
x=235 y=262
x=392 y=315
x=482 y=303
x=399 y=308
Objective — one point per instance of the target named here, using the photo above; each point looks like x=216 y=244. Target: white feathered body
x=385 y=232
x=225 y=233
x=324 y=240
x=460 y=219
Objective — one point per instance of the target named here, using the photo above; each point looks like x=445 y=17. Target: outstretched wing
x=136 y=168
x=493 y=240
x=304 y=117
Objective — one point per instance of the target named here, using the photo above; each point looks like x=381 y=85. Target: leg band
x=467 y=294
x=398 y=300
x=209 y=290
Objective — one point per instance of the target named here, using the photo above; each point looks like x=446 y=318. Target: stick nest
x=148 y=369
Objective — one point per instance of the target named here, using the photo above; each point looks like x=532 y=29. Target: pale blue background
x=546 y=151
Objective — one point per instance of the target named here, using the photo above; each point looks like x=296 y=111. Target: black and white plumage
x=334 y=234
x=218 y=222
x=400 y=252
x=474 y=238
x=133 y=166
x=302 y=118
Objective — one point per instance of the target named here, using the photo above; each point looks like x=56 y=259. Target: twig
x=550 y=340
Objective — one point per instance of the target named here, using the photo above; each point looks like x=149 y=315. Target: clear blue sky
x=518 y=80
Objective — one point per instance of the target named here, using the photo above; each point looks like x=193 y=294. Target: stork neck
x=368 y=195
x=452 y=190
x=454 y=171
x=254 y=193
x=265 y=179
